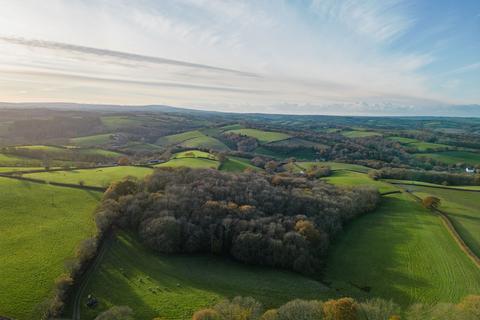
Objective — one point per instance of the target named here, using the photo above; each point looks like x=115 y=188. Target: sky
x=385 y=57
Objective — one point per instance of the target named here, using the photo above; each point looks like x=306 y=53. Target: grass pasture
x=61 y=153
x=427 y=146
x=95 y=140
x=12 y=160
x=99 y=177
x=237 y=164
x=18 y=169
x=40 y=227
x=195 y=163
x=350 y=178
x=174 y=286
x=262 y=136
x=462 y=207
x=333 y=166
x=194 y=154
x=401 y=252
x=192 y=139
x=360 y=134
x=453 y=157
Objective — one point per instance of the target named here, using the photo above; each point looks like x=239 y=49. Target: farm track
x=77 y=300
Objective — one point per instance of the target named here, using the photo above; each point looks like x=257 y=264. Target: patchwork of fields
x=40 y=227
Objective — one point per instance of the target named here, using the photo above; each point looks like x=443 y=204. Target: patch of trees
x=445 y=178
x=260 y=219
x=242 y=142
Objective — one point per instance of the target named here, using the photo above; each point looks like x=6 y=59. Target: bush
x=378 y=309
x=341 y=309
x=239 y=308
x=301 y=310
x=207 y=314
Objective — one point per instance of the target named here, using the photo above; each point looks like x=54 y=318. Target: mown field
x=175 y=286
x=192 y=139
x=40 y=227
x=262 y=136
x=463 y=208
x=453 y=157
x=401 y=252
x=99 y=177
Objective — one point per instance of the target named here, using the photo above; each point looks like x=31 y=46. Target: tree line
x=445 y=178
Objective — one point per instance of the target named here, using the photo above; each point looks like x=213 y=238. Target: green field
x=192 y=139
x=453 y=157
x=463 y=208
x=194 y=154
x=350 y=178
x=40 y=227
x=427 y=146
x=237 y=164
x=175 y=286
x=118 y=122
x=333 y=166
x=95 y=140
x=262 y=136
x=403 y=140
x=99 y=177
x=360 y=134
x=16 y=169
x=60 y=152
x=421 y=183
x=401 y=252
x=196 y=163
x=11 y=160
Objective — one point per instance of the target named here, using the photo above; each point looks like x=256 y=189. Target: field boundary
x=57 y=184
x=453 y=232
x=430 y=186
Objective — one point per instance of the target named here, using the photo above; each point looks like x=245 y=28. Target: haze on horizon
x=305 y=56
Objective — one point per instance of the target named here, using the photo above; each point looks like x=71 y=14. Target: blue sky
x=298 y=56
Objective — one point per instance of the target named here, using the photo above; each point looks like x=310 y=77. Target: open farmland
x=95 y=140
x=237 y=164
x=350 y=178
x=401 y=252
x=360 y=134
x=17 y=169
x=40 y=227
x=174 y=286
x=262 y=136
x=196 y=163
x=453 y=157
x=99 y=177
x=11 y=160
x=192 y=139
x=332 y=165
x=194 y=154
x=462 y=207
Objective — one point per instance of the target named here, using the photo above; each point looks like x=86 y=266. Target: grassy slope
x=193 y=154
x=192 y=139
x=237 y=164
x=54 y=151
x=349 y=178
x=101 y=177
x=11 y=160
x=402 y=252
x=175 y=286
x=190 y=162
x=262 y=136
x=426 y=146
x=40 y=226
x=463 y=207
x=94 y=140
x=420 y=183
x=335 y=166
x=454 y=157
